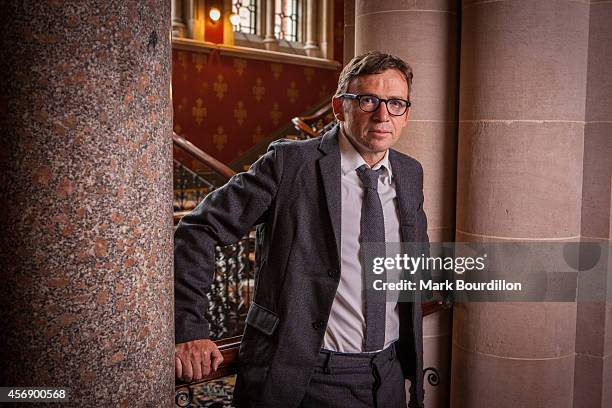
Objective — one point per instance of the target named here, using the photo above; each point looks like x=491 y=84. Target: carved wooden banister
x=316 y=124
x=318 y=114
x=201 y=156
x=303 y=127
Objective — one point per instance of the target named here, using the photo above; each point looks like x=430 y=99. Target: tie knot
x=369 y=177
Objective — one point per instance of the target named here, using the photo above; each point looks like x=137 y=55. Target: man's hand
x=193 y=359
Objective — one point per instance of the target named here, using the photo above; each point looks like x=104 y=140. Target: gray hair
x=372 y=62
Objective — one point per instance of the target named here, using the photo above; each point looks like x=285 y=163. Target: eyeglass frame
x=380 y=100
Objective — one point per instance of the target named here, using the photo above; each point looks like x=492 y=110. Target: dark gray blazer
x=293 y=194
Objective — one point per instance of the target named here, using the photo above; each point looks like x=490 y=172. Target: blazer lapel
x=329 y=168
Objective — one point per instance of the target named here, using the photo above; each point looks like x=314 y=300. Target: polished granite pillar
x=86 y=157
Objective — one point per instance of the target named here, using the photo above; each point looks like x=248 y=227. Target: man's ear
x=338 y=107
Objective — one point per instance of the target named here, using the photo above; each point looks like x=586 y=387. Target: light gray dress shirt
x=346 y=325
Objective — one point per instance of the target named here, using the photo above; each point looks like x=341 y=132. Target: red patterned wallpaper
x=225 y=104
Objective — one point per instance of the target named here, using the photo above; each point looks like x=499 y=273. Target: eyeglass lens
x=370 y=103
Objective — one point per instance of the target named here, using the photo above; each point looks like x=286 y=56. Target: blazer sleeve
x=222 y=218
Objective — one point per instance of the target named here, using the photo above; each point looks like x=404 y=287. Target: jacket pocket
x=262 y=319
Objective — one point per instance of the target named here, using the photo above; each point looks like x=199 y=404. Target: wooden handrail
x=229 y=350
x=303 y=127
x=180 y=214
x=318 y=113
x=200 y=155
x=301 y=122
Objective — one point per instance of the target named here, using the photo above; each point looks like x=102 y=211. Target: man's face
x=373 y=132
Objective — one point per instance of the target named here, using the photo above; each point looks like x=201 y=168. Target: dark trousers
x=356 y=380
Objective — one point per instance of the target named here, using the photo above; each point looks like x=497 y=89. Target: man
x=315 y=337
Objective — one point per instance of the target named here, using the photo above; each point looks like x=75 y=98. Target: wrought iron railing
x=189 y=187
x=230 y=294
x=232 y=288
x=201 y=156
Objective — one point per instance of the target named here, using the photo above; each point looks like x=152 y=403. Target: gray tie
x=372 y=240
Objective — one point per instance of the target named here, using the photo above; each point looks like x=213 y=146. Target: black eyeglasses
x=369 y=103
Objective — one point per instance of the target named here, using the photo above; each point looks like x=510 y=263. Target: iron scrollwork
x=183 y=398
x=231 y=289
x=189 y=187
x=433 y=378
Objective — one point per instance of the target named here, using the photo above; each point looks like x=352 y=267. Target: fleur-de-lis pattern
x=199 y=60
x=181 y=61
x=309 y=74
x=276 y=69
x=259 y=90
x=199 y=111
x=220 y=87
x=240 y=113
x=292 y=92
x=240 y=65
x=182 y=104
x=276 y=114
x=232 y=103
x=220 y=138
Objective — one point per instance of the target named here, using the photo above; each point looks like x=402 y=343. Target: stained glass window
x=247 y=10
x=286 y=15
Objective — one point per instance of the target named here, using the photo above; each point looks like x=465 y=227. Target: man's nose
x=381 y=114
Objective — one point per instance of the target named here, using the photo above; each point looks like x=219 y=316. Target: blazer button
x=318 y=325
x=332 y=273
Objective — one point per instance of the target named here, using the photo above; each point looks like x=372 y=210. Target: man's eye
x=397 y=103
x=368 y=100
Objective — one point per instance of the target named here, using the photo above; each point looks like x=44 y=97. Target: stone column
x=593 y=370
x=189 y=17
x=349 y=31
x=326 y=29
x=425 y=34
x=179 y=29
x=520 y=169
x=86 y=230
x=311 y=46
x=270 y=40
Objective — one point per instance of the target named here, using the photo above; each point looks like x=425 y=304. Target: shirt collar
x=350 y=159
